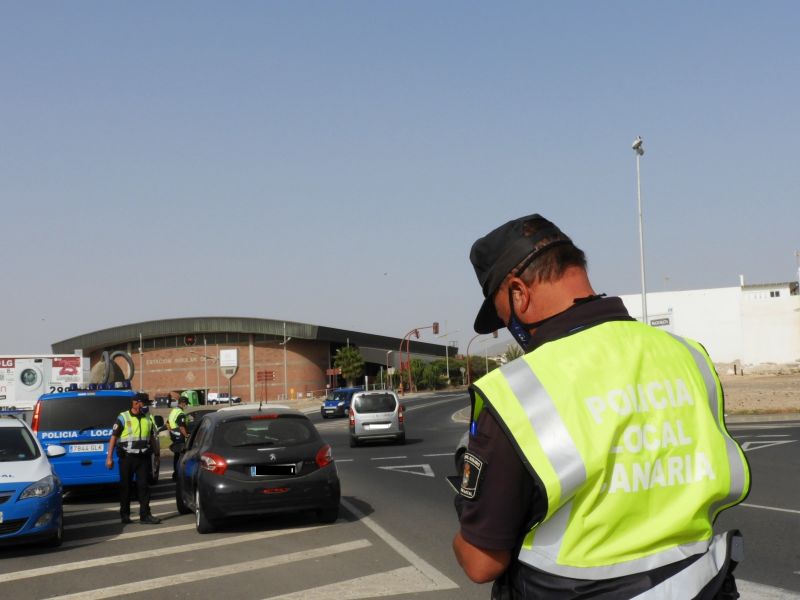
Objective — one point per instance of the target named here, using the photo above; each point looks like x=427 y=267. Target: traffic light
x=435 y=328
x=416 y=333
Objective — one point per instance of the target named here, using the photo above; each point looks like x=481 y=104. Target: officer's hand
x=458 y=503
x=109 y=463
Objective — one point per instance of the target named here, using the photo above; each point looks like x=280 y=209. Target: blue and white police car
x=80 y=421
x=30 y=490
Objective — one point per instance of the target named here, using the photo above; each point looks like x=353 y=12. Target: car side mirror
x=54 y=451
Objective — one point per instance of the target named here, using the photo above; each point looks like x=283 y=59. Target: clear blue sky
x=332 y=163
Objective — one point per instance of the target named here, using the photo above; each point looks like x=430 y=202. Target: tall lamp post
x=638 y=149
x=446 y=352
x=285 y=379
x=469 y=367
x=388 y=373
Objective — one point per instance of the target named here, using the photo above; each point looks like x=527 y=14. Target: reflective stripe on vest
x=585 y=448
x=135 y=436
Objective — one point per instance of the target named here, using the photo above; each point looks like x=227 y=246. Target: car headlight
x=40 y=489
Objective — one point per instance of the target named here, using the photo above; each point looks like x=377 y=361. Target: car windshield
x=17 y=444
x=340 y=396
x=280 y=431
x=81 y=412
x=374 y=403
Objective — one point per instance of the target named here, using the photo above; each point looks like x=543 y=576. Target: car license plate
x=377 y=426
x=86 y=448
x=256 y=470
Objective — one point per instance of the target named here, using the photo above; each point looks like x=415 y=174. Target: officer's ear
x=520 y=295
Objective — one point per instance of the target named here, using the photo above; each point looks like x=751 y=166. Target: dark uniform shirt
x=510 y=499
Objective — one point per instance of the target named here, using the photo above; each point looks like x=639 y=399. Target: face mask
x=520 y=331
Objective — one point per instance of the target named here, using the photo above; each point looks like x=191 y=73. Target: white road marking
x=789 y=510
x=218 y=571
x=115 y=521
x=440 y=454
x=429 y=404
x=152 y=530
x=439 y=579
x=426 y=469
x=750 y=446
x=114 y=508
x=150 y=553
x=391 y=583
x=388 y=457
x=756 y=591
x=341 y=460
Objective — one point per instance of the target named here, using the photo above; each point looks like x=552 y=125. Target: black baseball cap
x=494 y=256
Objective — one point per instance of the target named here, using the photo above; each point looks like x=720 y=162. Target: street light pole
x=638 y=148
x=388 y=374
x=285 y=379
x=469 y=368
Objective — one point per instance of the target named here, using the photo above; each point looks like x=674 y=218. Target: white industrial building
x=749 y=325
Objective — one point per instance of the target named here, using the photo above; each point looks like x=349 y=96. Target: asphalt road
x=392 y=539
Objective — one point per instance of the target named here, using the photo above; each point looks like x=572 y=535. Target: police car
x=80 y=422
x=30 y=490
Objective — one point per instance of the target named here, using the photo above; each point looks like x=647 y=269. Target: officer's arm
x=480 y=565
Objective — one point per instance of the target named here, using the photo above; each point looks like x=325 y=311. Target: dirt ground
x=761 y=394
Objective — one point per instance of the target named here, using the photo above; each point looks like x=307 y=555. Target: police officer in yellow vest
x=176 y=423
x=599 y=460
x=133 y=436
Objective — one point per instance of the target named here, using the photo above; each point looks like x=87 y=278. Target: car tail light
x=400 y=413
x=352 y=416
x=324 y=456
x=35 y=419
x=213 y=463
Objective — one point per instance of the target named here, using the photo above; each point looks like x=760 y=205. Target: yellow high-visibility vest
x=135 y=436
x=623 y=424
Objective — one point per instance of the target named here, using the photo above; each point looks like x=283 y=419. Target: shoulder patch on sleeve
x=471 y=476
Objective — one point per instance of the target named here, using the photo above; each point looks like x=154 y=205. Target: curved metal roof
x=130 y=333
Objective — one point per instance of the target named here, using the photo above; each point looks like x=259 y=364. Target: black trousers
x=130 y=465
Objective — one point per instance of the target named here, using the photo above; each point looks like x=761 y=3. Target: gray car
x=376 y=416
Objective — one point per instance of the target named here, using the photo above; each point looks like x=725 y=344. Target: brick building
x=173 y=355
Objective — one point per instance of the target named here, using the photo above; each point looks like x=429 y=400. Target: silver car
x=376 y=416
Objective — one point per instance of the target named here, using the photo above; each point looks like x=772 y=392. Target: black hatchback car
x=249 y=461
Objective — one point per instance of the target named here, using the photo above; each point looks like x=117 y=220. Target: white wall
x=771 y=327
x=734 y=323
x=712 y=317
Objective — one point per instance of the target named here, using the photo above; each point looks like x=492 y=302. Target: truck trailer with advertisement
x=23 y=378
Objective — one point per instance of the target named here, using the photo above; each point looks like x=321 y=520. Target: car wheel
x=328 y=514
x=353 y=441
x=324 y=416
x=401 y=438
x=58 y=536
x=201 y=521
x=182 y=508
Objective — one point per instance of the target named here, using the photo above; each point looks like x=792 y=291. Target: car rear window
x=374 y=403
x=280 y=431
x=17 y=444
x=80 y=412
